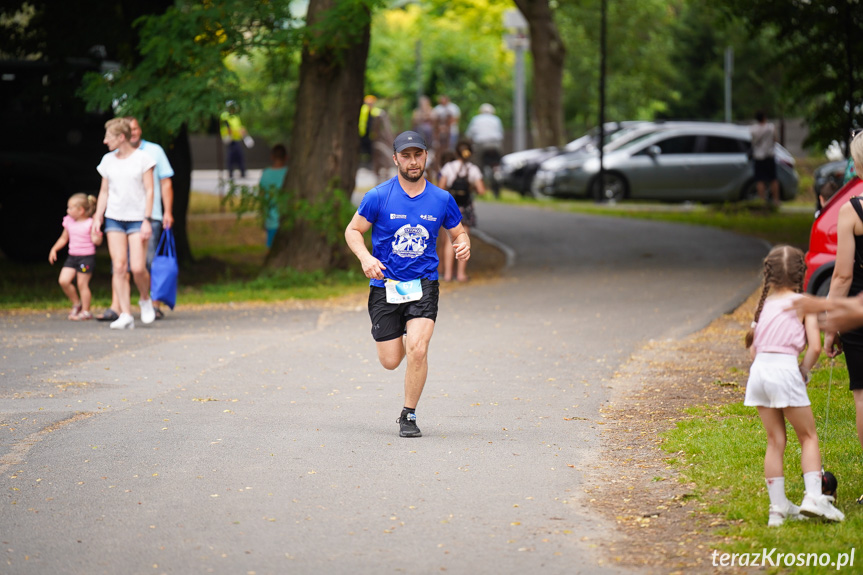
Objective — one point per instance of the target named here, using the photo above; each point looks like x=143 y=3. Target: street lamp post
x=518 y=42
x=601 y=195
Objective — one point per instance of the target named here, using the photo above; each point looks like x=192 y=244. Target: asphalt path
x=264 y=439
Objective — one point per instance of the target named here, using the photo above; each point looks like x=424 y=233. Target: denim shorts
x=120 y=226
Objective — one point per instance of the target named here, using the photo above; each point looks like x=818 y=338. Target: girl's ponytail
x=768 y=280
x=91 y=205
x=750 y=335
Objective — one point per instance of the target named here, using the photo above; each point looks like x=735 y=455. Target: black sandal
x=107 y=315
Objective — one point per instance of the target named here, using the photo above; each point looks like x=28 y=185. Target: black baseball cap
x=408 y=139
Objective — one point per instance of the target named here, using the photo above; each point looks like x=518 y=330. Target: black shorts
x=389 y=319
x=82 y=264
x=765 y=170
x=854 y=362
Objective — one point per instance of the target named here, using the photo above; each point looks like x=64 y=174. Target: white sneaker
x=125 y=321
x=148 y=314
x=778 y=515
x=820 y=506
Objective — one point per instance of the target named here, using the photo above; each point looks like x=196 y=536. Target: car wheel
x=537 y=194
x=527 y=182
x=823 y=288
x=613 y=189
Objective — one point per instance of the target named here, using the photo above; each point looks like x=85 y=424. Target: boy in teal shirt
x=272 y=179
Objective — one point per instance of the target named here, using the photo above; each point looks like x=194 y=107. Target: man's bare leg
x=391 y=352
x=417 y=340
x=759 y=188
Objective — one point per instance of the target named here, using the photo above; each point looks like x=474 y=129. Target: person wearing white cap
x=485 y=131
x=406 y=214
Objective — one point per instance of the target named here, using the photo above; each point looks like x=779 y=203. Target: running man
x=407 y=213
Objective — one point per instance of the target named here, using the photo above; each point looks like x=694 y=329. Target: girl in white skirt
x=777 y=385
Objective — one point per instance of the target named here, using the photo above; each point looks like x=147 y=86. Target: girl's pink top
x=779 y=330
x=80 y=243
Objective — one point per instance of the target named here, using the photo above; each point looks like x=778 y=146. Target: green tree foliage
x=461 y=55
x=182 y=77
x=820 y=51
x=269 y=82
x=639 y=68
x=701 y=35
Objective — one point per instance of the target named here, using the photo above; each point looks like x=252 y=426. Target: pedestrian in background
x=235 y=137
x=82 y=238
x=763 y=150
x=485 y=131
x=447 y=115
x=163 y=207
x=126 y=203
x=423 y=119
x=462 y=178
x=369 y=113
x=272 y=180
x=777 y=385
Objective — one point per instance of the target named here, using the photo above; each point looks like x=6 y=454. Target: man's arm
x=167 y=202
x=358 y=226
x=460 y=242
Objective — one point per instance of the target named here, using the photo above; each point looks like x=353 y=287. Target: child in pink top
x=777 y=385
x=82 y=239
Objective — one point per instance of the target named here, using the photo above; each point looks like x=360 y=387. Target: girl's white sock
x=776 y=491
x=812 y=482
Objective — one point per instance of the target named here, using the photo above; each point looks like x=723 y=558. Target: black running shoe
x=408 y=425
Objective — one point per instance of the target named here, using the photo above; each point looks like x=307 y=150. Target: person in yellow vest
x=234 y=135
x=369 y=116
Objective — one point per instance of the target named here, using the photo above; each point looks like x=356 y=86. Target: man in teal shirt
x=272 y=180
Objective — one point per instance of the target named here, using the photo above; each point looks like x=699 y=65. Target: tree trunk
x=548 y=53
x=180 y=155
x=325 y=144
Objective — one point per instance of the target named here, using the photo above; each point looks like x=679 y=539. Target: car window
x=722 y=145
x=622 y=145
x=677 y=145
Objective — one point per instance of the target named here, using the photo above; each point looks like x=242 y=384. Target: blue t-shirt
x=162 y=170
x=405 y=229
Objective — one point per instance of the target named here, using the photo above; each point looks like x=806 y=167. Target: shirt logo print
x=410 y=241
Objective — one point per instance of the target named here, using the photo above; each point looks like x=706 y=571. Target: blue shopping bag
x=164 y=270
